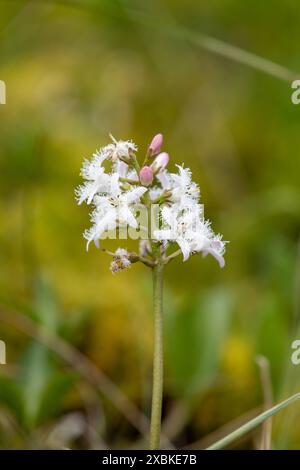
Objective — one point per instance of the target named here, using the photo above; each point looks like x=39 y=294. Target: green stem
x=157 y=391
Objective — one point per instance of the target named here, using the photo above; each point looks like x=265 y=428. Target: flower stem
x=157 y=391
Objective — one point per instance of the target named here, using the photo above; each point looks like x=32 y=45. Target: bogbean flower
x=188 y=228
x=116 y=192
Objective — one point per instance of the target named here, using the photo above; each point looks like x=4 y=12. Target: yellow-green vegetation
x=73 y=74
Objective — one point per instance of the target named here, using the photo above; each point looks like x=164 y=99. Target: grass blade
x=253 y=423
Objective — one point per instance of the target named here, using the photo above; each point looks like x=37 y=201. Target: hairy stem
x=157 y=391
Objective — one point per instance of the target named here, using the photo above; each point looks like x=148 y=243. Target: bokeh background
x=79 y=340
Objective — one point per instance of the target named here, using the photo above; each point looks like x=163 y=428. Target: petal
x=163 y=234
x=122 y=168
x=164 y=180
x=216 y=255
x=134 y=195
x=92 y=191
x=185 y=247
x=126 y=217
x=185 y=176
x=114 y=185
x=89 y=235
x=168 y=216
x=107 y=222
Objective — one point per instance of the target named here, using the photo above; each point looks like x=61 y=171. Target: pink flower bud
x=146 y=176
x=156 y=143
x=160 y=162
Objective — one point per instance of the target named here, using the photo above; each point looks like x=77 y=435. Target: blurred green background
x=75 y=73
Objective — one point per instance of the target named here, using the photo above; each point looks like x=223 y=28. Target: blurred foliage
x=194 y=338
x=76 y=73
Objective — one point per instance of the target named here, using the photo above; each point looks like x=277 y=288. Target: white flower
x=206 y=242
x=114 y=209
x=180 y=226
x=123 y=201
x=215 y=247
x=184 y=191
x=119 y=149
x=191 y=232
x=116 y=192
x=183 y=218
x=97 y=179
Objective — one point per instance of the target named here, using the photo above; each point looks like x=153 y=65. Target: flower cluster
x=117 y=186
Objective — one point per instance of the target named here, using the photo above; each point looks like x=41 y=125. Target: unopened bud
x=156 y=143
x=146 y=176
x=160 y=162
